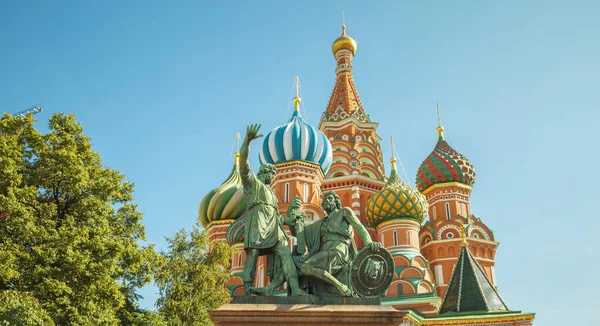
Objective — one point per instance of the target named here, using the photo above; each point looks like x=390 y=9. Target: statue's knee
x=306 y=269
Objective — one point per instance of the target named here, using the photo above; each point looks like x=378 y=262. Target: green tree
x=69 y=233
x=193 y=278
x=22 y=309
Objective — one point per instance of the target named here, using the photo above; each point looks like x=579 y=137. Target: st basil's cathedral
x=443 y=254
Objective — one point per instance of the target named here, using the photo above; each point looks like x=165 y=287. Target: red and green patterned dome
x=443 y=165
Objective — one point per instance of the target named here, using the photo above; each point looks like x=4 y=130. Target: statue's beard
x=266 y=179
x=329 y=207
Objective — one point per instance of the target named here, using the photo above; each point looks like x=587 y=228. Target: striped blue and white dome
x=297 y=141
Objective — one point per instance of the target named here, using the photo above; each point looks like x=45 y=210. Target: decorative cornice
x=218 y=223
x=352 y=180
x=458 y=240
x=475 y=319
x=302 y=163
x=398 y=221
x=446 y=184
x=349 y=120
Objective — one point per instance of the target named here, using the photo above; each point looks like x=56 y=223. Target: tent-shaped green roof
x=470 y=290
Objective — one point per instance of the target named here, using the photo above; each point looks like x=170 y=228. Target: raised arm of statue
x=246 y=172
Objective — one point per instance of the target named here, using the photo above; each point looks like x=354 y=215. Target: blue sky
x=162 y=87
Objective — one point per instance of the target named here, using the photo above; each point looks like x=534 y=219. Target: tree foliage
x=69 y=232
x=193 y=278
x=22 y=309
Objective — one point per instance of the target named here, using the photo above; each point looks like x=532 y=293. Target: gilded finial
x=393 y=159
x=463 y=236
x=440 y=128
x=237 y=149
x=344 y=42
x=297 y=99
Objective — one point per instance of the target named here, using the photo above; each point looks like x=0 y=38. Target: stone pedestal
x=291 y=312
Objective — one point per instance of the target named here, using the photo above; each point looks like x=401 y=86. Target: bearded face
x=266 y=173
x=331 y=201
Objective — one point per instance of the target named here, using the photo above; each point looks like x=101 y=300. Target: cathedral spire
x=297 y=99
x=237 y=149
x=344 y=101
x=393 y=159
x=440 y=128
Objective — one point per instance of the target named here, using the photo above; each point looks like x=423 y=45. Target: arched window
x=395 y=238
x=399 y=287
x=286 y=193
x=439 y=275
x=451 y=252
x=447 y=211
x=306 y=192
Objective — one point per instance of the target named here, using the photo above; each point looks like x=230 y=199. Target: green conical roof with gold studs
x=396 y=200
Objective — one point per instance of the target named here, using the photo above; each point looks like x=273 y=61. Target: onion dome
x=226 y=202
x=297 y=141
x=396 y=200
x=443 y=165
x=344 y=42
x=235 y=232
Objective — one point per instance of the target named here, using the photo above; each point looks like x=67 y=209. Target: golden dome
x=344 y=42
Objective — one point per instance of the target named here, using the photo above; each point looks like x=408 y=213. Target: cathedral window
x=447 y=211
x=439 y=275
x=286 y=193
x=399 y=287
x=306 y=192
x=395 y=238
x=240 y=259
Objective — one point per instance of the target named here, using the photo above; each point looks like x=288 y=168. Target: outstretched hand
x=252 y=132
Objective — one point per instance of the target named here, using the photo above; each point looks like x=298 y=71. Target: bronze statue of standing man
x=264 y=225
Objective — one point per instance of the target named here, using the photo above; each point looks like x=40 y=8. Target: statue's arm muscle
x=358 y=227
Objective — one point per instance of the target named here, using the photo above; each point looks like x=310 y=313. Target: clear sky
x=162 y=87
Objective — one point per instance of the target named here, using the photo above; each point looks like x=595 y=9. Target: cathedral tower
x=302 y=155
x=220 y=212
x=446 y=178
x=397 y=211
x=357 y=170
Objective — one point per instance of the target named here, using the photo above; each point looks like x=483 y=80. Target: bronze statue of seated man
x=330 y=242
